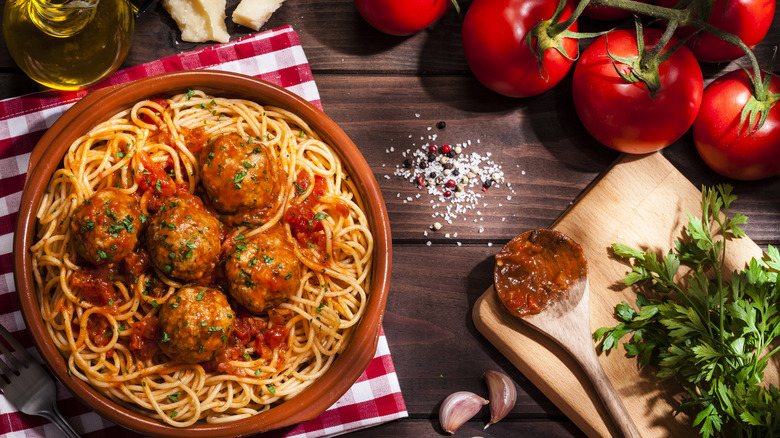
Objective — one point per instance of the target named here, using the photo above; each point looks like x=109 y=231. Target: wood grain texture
x=641 y=202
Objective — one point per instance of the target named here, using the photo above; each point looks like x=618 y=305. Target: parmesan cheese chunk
x=254 y=13
x=199 y=20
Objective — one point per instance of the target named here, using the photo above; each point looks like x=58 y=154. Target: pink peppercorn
x=446 y=149
x=447 y=193
x=451 y=183
x=432 y=148
x=421 y=181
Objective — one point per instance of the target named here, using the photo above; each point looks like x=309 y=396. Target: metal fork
x=28 y=386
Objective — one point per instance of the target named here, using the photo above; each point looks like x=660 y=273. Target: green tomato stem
x=684 y=17
x=667 y=14
x=559 y=27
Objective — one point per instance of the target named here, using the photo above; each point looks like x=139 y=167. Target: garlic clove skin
x=503 y=395
x=458 y=408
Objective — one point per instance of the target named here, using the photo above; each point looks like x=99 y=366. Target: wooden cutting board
x=639 y=201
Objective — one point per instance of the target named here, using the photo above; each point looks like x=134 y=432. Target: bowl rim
x=47 y=156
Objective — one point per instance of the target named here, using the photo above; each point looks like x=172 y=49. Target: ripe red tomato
x=624 y=116
x=747 y=19
x=494 y=42
x=730 y=153
x=401 y=17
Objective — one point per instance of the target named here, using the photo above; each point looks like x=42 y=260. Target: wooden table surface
x=388 y=93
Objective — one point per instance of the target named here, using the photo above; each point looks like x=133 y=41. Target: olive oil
x=68 y=44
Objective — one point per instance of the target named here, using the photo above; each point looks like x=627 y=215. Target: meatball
x=105 y=227
x=195 y=322
x=239 y=175
x=264 y=271
x=183 y=238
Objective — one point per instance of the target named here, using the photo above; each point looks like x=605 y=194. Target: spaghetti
x=101 y=303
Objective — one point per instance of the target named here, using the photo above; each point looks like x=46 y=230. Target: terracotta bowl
x=102 y=104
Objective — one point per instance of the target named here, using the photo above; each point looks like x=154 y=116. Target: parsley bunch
x=710 y=329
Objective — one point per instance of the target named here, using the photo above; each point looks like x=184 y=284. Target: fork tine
x=7 y=371
x=14 y=343
x=16 y=346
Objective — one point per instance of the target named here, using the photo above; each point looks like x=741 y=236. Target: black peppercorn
x=487 y=183
x=455 y=172
x=441 y=125
x=407 y=163
x=432 y=175
x=431 y=157
x=448 y=165
x=423 y=164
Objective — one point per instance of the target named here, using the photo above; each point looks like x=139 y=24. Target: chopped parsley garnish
x=199 y=297
x=175 y=396
x=88 y=226
x=239 y=178
x=165 y=337
x=320 y=216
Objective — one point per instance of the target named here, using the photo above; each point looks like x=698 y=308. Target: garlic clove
x=503 y=395
x=458 y=408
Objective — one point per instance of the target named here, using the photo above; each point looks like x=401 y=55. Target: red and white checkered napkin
x=275 y=56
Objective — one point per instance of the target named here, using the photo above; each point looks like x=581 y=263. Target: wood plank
x=509 y=427
x=640 y=202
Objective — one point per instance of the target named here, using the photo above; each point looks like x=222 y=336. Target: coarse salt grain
x=428 y=243
x=427 y=159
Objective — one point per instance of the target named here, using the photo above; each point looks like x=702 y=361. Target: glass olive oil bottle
x=68 y=44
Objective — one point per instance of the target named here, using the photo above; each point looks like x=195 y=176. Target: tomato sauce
x=304 y=226
x=95 y=286
x=99 y=330
x=535 y=268
x=264 y=336
x=137 y=263
x=154 y=181
x=143 y=341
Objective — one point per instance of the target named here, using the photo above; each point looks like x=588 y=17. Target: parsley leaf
x=712 y=330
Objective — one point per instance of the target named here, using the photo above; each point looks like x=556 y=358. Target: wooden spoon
x=542 y=278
